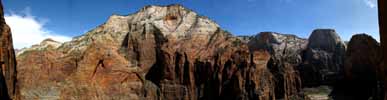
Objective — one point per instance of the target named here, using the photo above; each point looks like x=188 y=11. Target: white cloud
x=370 y=3
x=27 y=30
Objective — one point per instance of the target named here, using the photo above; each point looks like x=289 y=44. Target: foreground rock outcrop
x=8 y=88
x=361 y=68
x=323 y=59
x=382 y=16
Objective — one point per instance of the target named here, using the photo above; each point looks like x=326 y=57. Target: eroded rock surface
x=8 y=86
x=286 y=56
x=160 y=52
x=323 y=59
x=172 y=53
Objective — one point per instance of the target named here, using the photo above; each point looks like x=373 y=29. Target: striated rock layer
x=160 y=52
x=286 y=56
x=7 y=61
x=172 y=53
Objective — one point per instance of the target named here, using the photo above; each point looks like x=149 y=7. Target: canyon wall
x=286 y=56
x=160 y=52
x=172 y=53
x=8 y=71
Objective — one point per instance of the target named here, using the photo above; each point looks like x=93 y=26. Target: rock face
x=7 y=61
x=160 y=52
x=172 y=53
x=286 y=56
x=362 y=65
x=363 y=58
x=323 y=59
x=383 y=39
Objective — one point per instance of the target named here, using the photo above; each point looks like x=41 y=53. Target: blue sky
x=63 y=19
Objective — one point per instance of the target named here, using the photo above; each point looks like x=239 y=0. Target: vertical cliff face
x=286 y=56
x=172 y=53
x=160 y=52
x=7 y=60
x=363 y=58
x=362 y=69
x=189 y=57
x=323 y=59
x=230 y=74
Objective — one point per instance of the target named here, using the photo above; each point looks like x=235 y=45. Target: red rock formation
x=157 y=53
x=7 y=60
x=286 y=56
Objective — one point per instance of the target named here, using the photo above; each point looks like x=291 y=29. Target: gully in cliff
x=170 y=51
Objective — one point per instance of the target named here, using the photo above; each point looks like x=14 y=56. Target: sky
x=32 y=21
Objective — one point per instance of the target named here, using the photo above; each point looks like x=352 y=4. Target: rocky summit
x=323 y=59
x=172 y=53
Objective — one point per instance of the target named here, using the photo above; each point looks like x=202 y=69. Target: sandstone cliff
x=323 y=59
x=172 y=53
x=7 y=61
x=286 y=56
x=159 y=52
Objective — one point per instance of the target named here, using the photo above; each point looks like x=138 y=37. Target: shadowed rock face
x=160 y=52
x=7 y=61
x=286 y=55
x=324 y=39
x=363 y=58
x=323 y=59
x=383 y=39
x=361 y=68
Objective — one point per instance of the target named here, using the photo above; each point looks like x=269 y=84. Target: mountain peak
x=44 y=45
x=48 y=40
x=174 y=20
x=325 y=39
x=164 y=6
